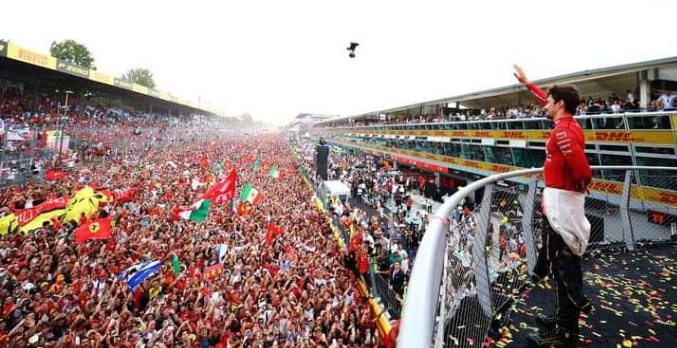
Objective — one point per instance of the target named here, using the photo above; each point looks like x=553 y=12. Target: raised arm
x=540 y=95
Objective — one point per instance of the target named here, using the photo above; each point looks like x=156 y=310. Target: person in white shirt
x=29 y=202
x=667 y=99
x=405 y=261
x=631 y=97
x=616 y=107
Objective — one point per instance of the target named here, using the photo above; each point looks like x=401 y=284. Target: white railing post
x=527 y=228
x=625 y=214
x=479 y=252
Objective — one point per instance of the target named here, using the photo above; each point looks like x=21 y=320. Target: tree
x=73 y=52
x=139 y=76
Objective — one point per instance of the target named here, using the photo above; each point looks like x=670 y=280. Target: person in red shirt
x=362 y=261
x=565 y=227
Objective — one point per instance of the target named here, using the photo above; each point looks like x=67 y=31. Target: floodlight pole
x=62 y=125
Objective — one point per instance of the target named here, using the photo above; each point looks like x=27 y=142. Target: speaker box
x=321 y=157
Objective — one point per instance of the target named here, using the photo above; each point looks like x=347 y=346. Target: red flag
x=212 y=272
x=110 y=197
x=98 y=229
x=273 y=231
x=122 y=196
x=243 y=208
x=223 y=191
x=54 y=175
x=204 y=161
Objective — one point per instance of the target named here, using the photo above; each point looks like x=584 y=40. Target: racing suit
x=565 y=229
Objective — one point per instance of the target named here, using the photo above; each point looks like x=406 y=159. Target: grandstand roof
x=594 y=82
x=21 y=63
x=315 y=116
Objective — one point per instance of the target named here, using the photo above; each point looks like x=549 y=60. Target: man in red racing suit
x=565 y=228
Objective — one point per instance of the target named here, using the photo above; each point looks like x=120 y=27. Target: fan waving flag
x=217 y=167
x=221 y=252
x=272 y=231
x=250 y=194
x=274 y=173
x=98 y=229
x=196 y=212
x=195 y=183
x=138 y=273
x=176 y=265
x=224 y=190
x=55 y=174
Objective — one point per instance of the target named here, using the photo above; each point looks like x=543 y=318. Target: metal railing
x=626 y=120
x=482 y=259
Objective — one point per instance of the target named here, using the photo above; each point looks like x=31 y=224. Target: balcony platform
x=634 y=295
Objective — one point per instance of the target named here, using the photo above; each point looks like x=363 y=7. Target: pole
x=63 y=124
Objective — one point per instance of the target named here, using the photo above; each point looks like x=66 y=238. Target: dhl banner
x=649 y=194
x=658 y=137
x=101 y=77
x=644 y=193
x=27 y=56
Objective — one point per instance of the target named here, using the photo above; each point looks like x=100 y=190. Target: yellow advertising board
x=658 y=137
x=649 y=194
x=101 y=77
x=16 y=52
x=31 y=57
x=648 y=136
x=139 y=89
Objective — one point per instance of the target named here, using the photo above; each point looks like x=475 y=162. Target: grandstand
x=477 y=141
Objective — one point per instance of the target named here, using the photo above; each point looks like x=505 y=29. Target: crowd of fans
x=613 y=104
x=291 y=291
x=384 y=228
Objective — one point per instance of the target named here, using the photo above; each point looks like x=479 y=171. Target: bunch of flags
x=220 y=193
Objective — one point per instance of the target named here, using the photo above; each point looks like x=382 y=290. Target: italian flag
x=196 y=212
x=250 y=194
x=273 y=172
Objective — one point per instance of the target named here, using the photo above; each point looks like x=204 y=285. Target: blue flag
x=221 y=251
x=137 y=274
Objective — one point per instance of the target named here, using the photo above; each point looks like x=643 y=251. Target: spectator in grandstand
x=567 y=176
x=666 y=101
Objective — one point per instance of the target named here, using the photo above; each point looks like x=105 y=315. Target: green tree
x=73 y=52
x=139 y=76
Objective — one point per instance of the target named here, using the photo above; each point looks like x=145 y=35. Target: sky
x=276 y=59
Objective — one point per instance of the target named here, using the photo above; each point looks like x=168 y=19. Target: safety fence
x=471 y=266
